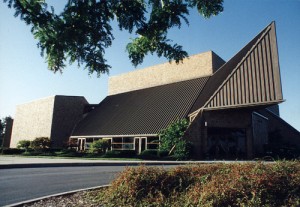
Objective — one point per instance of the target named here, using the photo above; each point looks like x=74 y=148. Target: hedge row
x=249 y=184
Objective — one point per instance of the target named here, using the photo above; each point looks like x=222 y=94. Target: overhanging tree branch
x=82 y=31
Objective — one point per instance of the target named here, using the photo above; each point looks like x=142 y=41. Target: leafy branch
x=82 y=31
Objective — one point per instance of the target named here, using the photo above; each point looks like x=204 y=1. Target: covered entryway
x=81 y=144
x=140 y=144
x=228 y=143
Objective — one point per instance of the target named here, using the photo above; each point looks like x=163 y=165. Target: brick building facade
x=232 y=106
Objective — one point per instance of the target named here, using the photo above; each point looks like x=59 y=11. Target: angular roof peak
x=251 y=77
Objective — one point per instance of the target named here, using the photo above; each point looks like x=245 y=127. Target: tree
x=41 y=143
x=2 y=127
x=100 y=146
x=4 y=124
x=82 y=31
x=23 y=144
x=171 y=139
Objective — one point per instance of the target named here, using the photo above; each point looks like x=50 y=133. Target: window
x=122 y=143
x=152 y=143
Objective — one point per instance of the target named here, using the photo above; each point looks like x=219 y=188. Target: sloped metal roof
x=251 y=77
x=145 y=111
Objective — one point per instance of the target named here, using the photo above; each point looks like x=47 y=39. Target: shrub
x=112 y=154
x=31 y=152
x=248 y=184
x=162 y=153
x=119 y=154
x=100 y=146
x=41 y=143
x=69 y=153
x=71 y=144
x=12 y=151
x=149 y=154
x=171 y=140
x=23 y=144
x=127 y=153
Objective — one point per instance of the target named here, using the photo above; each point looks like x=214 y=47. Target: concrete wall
x=68 y=110
x=279 y=127
x=260 y=132
x=53 y=117
x=201 y=65
x=33 y=120
x=274 y=109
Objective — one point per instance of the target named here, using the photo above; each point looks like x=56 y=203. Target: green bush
x=150 y=154
x=12 y=151
x=31 y=152
x=248 y=184
x=99 y=146
x=23 y=144
x=119 y=154
x=112 y=154
x=70 y=144
x=70 y=153
x=127 y=153
x=41 y=144
x=171 y=140
x=162 y=153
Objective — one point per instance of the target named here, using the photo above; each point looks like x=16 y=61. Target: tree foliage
x=171 y=139
x=82 y=31
x=99 y=146
x=23 y=144
x=3 y=124
x=41 y=143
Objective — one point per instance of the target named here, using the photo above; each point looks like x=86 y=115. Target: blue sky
x=24 y=75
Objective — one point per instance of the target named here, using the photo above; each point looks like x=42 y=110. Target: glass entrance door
x=140 y=144
x=81 y=144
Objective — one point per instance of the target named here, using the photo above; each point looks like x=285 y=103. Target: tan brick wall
x=33 y=120
x=53 y=117
x=203 y=64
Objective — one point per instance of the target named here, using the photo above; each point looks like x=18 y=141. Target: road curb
x=54 y=195
x=81 y=164
x=121 y=163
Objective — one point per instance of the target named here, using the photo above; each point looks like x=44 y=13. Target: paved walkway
x=23 y=162
x=26 y=162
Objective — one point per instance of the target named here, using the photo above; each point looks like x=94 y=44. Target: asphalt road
x=22 y=184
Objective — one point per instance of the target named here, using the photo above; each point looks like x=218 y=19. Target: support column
x=249 y=138
x=204 y=139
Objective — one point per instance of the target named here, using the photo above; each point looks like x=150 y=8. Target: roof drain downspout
x=172 y=149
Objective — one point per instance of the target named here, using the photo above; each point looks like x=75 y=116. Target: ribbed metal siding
x=145 y=111
x=255 y=80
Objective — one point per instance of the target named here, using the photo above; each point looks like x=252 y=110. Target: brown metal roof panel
x=145 y=111
x=250 y=77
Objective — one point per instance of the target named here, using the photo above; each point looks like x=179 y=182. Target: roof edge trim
x=245 y=105
x=112 y=136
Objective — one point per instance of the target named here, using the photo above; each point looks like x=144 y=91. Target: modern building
x=232 y=106
x=53 y=117
x=6 y=134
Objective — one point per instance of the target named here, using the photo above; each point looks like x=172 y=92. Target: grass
x=247 y=184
